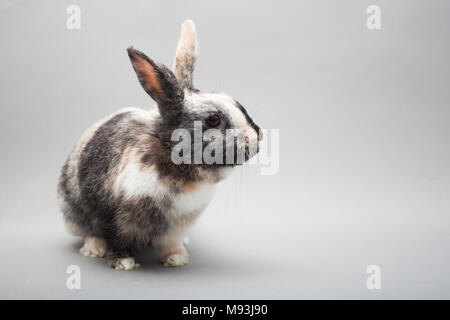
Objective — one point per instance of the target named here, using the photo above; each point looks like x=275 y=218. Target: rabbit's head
x=226 y=131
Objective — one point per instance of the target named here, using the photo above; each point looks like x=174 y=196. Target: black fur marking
x=249 y=120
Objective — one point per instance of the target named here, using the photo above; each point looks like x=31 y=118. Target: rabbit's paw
x=176 y=260
x=126 y=264
x=93 y=247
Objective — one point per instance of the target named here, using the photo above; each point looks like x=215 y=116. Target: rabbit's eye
x=213 y=121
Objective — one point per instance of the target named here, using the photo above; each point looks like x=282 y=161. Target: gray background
x=364 y=155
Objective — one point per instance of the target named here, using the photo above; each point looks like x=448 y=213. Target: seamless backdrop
x=363 y=117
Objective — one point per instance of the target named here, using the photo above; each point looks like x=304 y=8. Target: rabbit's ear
x=157 y=80
x=186 y=55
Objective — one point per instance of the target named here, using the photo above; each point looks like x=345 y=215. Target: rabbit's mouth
x=249 y=151
x=245 y=153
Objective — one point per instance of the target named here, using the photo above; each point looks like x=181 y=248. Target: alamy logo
x=74 y=20
x=233 y=147
x=73 y=281
x=374 y=18
x=374 y=280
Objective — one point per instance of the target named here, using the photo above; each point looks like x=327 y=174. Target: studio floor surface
x=234 y=256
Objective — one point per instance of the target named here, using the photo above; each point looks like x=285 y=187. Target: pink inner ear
x=147 y=75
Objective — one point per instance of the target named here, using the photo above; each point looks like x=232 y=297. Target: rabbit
x=120 y=189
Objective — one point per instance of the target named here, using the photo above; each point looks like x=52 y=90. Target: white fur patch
x=195 y=200
x=136 y=181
